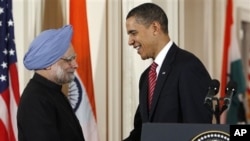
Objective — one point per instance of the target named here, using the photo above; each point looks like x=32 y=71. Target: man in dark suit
x=181 y=78
x=44 y=113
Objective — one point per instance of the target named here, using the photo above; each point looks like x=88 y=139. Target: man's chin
x=144 y=58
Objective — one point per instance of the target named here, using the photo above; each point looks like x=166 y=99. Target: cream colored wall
x=97 y=13
x=195 y=25
x=202 y=31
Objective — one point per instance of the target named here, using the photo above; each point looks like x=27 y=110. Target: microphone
x=230 y=91
x=213 y=89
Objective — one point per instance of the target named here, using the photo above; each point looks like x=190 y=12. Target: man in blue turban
x=44 y=113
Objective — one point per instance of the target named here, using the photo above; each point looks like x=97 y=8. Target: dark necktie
x=151 y=81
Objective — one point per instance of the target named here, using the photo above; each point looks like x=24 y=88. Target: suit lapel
x=162 y=76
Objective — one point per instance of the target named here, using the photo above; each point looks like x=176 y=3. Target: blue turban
x=47 y=48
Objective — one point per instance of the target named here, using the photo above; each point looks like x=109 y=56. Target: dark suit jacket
x=179 y=94
x=44 y=113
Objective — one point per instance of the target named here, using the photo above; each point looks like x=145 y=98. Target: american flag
x=9 y=86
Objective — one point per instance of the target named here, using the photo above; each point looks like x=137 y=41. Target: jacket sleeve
x=135 y=134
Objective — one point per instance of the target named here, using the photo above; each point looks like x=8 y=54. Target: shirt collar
x=162 y=54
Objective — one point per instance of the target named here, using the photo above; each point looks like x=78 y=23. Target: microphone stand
x=217 y=111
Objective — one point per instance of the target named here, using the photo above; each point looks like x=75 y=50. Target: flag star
x=7 y=36
x=3 y=78
x=5 y=52
x=10 y=23
x=12 y=52
x=4 y=65
x=1 y=10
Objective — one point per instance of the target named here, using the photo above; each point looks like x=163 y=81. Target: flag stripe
x=227 y=37
x=78 y=18
x=14 y=97
x=86 y=112
x=15 y=84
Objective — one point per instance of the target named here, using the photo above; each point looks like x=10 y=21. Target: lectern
x=184 y=132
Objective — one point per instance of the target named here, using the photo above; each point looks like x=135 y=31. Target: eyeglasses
x=69 y=59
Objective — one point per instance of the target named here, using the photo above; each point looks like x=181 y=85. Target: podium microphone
x=230 y=91
x=212 y=91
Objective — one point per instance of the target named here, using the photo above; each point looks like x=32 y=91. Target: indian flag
x=81 y=92
x=232 y=69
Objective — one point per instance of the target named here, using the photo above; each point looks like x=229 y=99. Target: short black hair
x=149 y=12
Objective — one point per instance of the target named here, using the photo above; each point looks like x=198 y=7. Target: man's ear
x=156 y=27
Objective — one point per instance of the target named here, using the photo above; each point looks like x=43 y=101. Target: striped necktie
x=151 y=83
